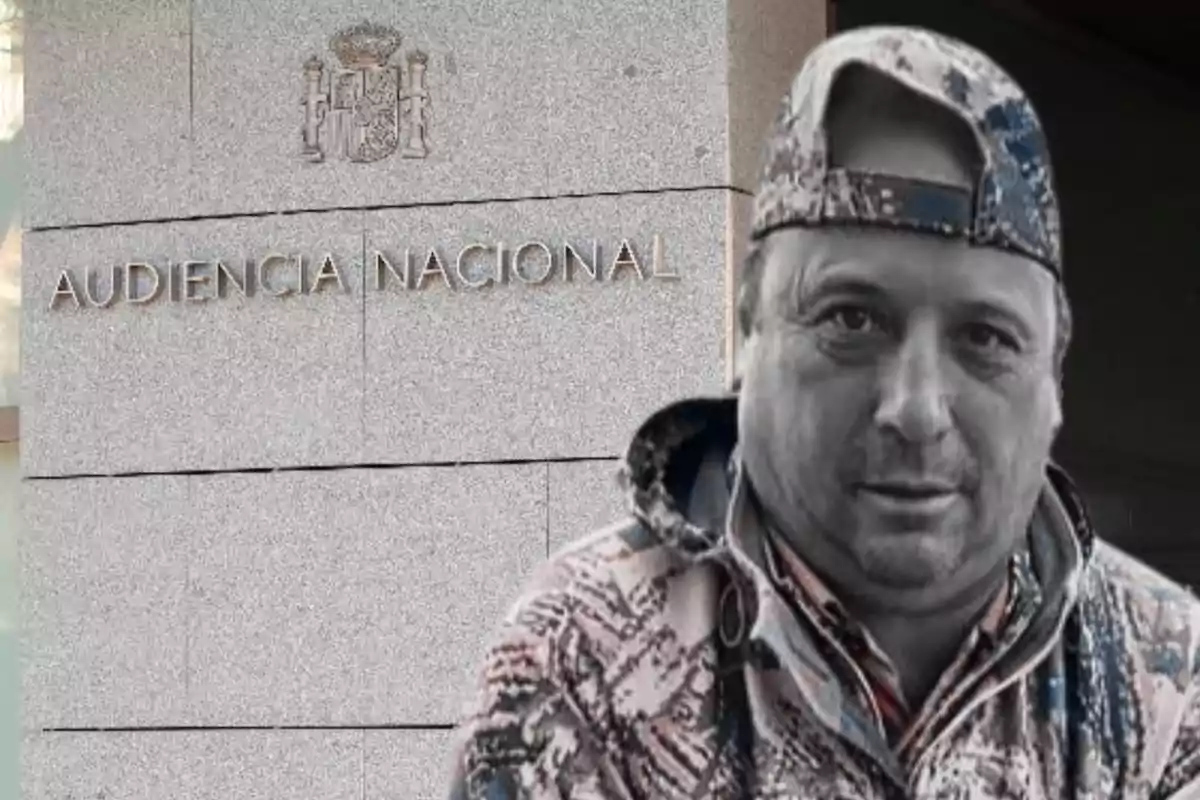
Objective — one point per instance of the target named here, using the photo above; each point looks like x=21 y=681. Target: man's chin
x=912 y=560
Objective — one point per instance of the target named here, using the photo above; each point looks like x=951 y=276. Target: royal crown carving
x=365 y=45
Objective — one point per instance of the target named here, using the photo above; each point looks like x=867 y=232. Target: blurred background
x=11 y=119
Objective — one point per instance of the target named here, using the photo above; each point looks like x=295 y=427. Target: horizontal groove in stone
x=513 y=462
x=379 y=207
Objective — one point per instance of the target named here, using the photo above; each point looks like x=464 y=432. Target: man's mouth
x=909 y=496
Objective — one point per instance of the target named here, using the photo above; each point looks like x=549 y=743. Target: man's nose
x=913 y=392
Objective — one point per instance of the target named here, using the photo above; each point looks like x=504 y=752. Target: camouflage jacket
x=656 y=659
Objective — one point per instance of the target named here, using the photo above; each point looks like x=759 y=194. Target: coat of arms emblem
x=365 y=108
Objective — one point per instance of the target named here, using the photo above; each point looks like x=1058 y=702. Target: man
x=862 y=577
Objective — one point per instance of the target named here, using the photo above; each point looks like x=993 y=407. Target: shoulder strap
x=733 y=706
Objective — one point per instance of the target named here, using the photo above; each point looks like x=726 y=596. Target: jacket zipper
x=897 y=783
x=1031 y=664
x=792 y=600
x=986 y=696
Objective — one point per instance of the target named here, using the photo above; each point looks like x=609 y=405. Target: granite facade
x=195 y=109
x=582 y=498
x=201 y=765
x=282 y=478
x=530 y=371
x=170 y=386
x=343 y=598
x=369 y=371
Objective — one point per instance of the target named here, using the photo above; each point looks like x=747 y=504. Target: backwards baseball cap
x=1014 y=207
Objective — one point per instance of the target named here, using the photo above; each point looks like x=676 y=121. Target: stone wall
x=272 y=510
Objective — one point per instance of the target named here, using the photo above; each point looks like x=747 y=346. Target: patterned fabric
x=1015 y=206
x=658 y=659
x=868 y=663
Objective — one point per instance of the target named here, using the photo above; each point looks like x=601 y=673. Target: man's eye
x=989 y=338
x=854 y=319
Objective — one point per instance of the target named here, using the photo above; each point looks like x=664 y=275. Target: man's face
x=898 y=406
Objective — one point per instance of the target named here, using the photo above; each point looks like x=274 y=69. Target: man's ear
x=1056 y=411
x=739 y=367
x=1058 y=407
x=747 y=309
x=746 y=337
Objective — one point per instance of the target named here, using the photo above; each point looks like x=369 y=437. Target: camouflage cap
x=1014 y=207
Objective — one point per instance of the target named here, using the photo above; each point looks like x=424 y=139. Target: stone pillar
x=294 y=428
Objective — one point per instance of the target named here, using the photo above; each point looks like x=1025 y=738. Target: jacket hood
x=665 y=461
